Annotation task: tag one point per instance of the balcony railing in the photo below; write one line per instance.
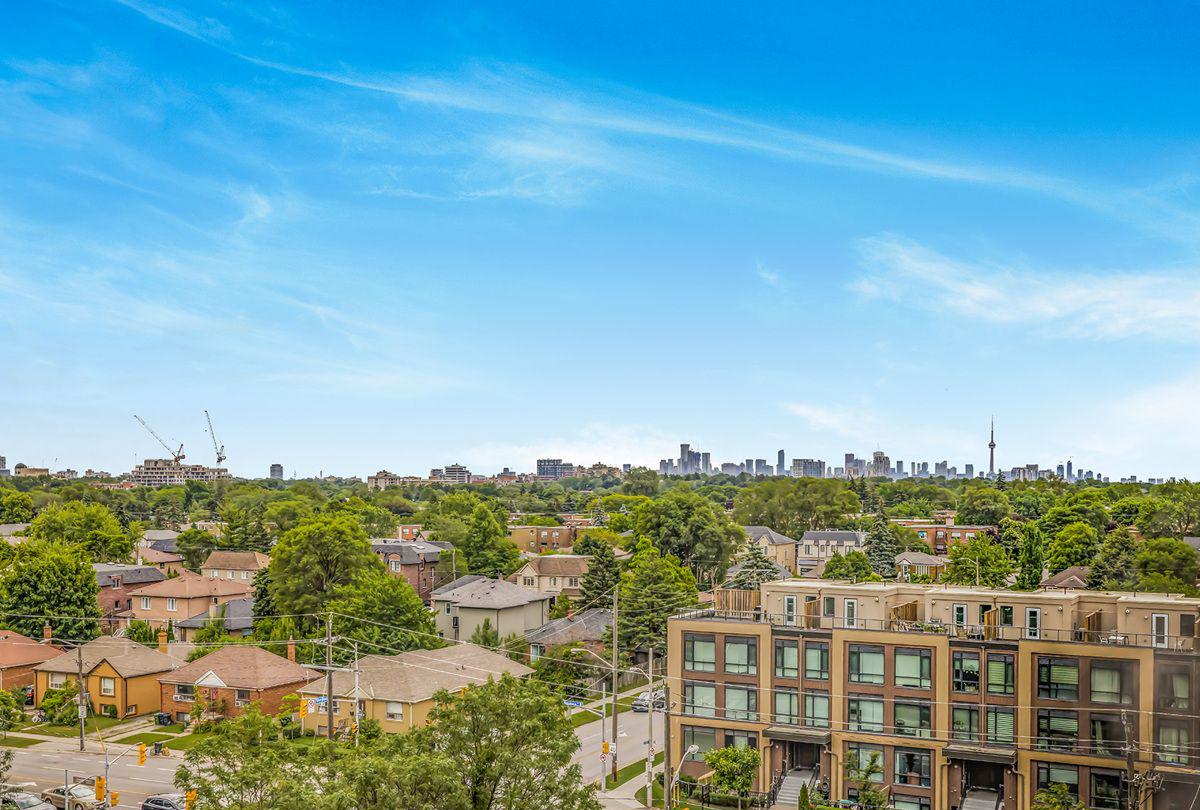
(970, 632)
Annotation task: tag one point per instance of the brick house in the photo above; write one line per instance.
(236, 566)
(182, 597)
(236, 616)
(118, 581)
(19, 655)
(232, 678)
(414, 560)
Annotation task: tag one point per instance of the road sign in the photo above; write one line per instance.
(573, 703)
(82, 712)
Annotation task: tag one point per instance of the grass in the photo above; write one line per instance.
(94, 724)
(582, 718)
(146, 737)
(630, 771)
(13, 741)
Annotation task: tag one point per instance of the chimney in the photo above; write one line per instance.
(47, 632)
(291, 651)
(212, 610)
(162, 641)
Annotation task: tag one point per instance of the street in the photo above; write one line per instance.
(632, 735)
(35, 769)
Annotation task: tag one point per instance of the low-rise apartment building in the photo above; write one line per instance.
(942, 535)
(414, 560)
(959, 691)
(537, 539)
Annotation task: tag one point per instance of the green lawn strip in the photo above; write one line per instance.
(582, 718)
(630, 771)
(94, 724)
(146, 737)
(13, 741)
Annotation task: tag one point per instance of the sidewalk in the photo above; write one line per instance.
(622, 796)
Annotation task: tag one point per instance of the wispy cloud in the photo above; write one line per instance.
(766, 275)
(1083, 304)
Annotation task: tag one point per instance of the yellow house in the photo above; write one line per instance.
(121, 675)
(398, 690)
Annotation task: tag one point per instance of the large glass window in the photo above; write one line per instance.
(913, 720)
(1173, 742)
(705, 740)
(816, 709)
(741, 703)
(1057, 730)
(1174, 688)
(816, 660)
(913, 767)
(1107, 792)
(865, 714)
(911, 803)
(999, 726)
(914, 668)
(1001, 674)
(965, 672)
(1108, 735)
(1111, 682)
(787, 707)
(1058, 678)
(866, 664)
(964, 723)
(699, 653)
(1049, 773)
(787, 658)
(741, 739)
(741, 656)
(862, 755)
(700, 699)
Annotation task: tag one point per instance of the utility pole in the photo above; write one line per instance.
(357, 717)
(1139, 786)
(650, 741)
(329, 677)
(83, 697)
(613, 746)
(603, 728)
(666, 745)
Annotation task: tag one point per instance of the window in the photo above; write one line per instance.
(787, 707)
(185, 692)
(699, 653)
(1173, 742)
(1057, 730)
(913, 767)
(964, 723)
(1160, 629)
(913, 720)
(394, 710)
(965, 672)
(1108, 735)
(741, 739)
(741, 656)
(862, 755)
(245, 575)
(1058, 678)
(57, 680)
(999, 726)
(229, 574)
(1049, 773)
(241, 697)
(394, 567)
(1111, 683)
(1001, 674)
(960, 615)
(789, 610)
(1033, 623)
(741, 703)
(108, 687)
(910, 803)
(865, 714)
(536, 651)
(787, 658)
(145, 603)
(528, 581)
(700, 699)
(816, 660)
(1006, 615)
(828, 606)
(913, 668)
(573, 582)
(866, 664)
(705, 740)
(816, 709)
(213, 574)
(131, 710)
(851, 613)
(1174, 689)
(1107, 793)
(171, 603)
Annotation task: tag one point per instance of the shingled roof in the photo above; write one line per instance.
(189, 586)
(774, 538)
(559, 565)
(237, 560)
(488, 594)
(241, 667)
(128, 658)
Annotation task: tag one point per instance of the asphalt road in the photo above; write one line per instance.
(632, 734)
(37, 769)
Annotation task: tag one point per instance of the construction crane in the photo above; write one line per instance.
(220, 449)
(177, 455)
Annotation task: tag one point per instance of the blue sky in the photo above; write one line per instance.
(402, 235)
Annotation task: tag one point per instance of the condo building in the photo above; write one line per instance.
(966, 697)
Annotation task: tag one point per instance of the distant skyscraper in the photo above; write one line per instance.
(992, 451)
(941, 468)
(899, 468)
(685, 453)
(761, 467)
(1062, 472)
(276, 472)
(554, 468)
(970, 471)
(1070, 470)
(706, 463)
(749, 466)
(780, 465)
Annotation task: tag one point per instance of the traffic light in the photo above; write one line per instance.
(189, 800)
(141, 753)
(101, 788)
(114, 799)
(604, 747)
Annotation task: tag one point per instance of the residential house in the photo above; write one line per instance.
(1073, 577)
(19, 655)
(918, 563)
(183, 596)
(398, 690)
(236, 616)
(779, 548)
(414, 560)
(169, 562)
(410, 531)
(121, 675)
(585, 628)
(238, 566)
(230, 679)
(153, 536)
(462, 606)
(553, 574)
(118, 581)
(821, 544)
(940, 535)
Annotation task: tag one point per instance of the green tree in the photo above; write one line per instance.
(15, 507)
(376, 521)
(245, 529)
(1056, 797)
(793, 506)
(640, 481)
(1125, 511)
(754, 568)
(1075, 544)
(866, 774)
(882, 546)
(562, 606)
(487, 549)
(1169, 557)
(485, 635)
(87, 525)
(983, 506)
(733, 769)
(264, 605)
(853, 565)
(61, 705)
(382, 612)
(284, 515)
(194, 546)
(523, 762)
(142, 632)
(601, 577)
(51, 579)
(653, 588)
(311, 561)
(1030, 563)
(692, 528)
(11, 711)
(1012, 534)
(1115, 568)
(395, 770)
(980, 561)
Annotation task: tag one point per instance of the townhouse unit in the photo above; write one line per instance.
(961, 693)
(779, 548)
(553, 574)
(182, 597)
(230, 679)
(236, 566)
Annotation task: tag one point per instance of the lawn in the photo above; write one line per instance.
(94, 724)
(13, 741)
(630, 771)
(146, 737)
(582, 718)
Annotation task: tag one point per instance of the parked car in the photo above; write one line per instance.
(643, 701)
(77, 797)
(164, 801)
(20, 800)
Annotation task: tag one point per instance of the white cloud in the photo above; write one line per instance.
(767, 275)
(842, 422)
(1080, 304)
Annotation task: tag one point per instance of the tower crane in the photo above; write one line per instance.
(220, 449)
(177, 455)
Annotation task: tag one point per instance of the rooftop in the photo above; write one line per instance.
(237, 560)
(108, 574)
(474, 591)
(190, 586)
(586, 626)
(411, 552)
(240, 667)
(558, 565)
(17, 650)
(128, 658)
(774, 538)
(237, 614)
